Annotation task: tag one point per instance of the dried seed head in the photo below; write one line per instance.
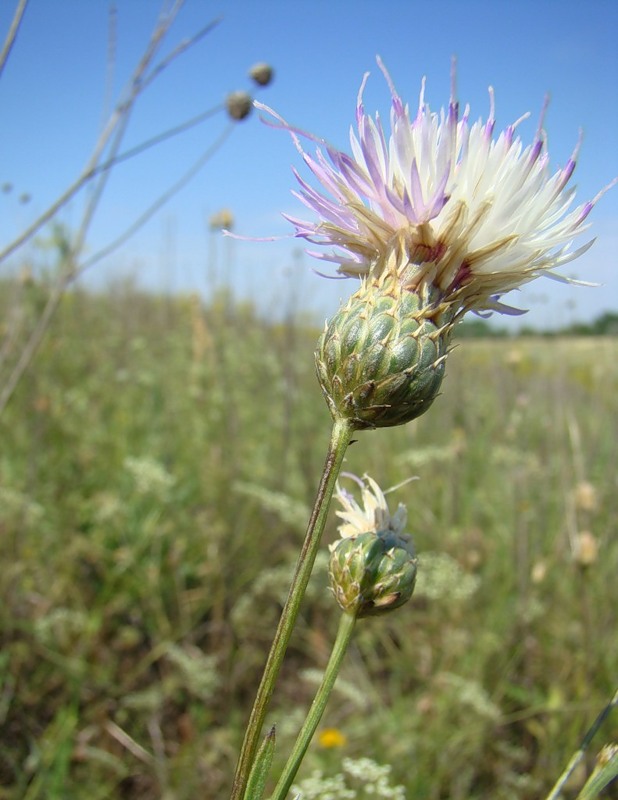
(262, 73)
(239, 105)
(586, 498)
(586, 549)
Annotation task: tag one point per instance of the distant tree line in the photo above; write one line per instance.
(604, 325)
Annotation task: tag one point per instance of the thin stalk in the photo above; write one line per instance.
(344, 634)
(579, 755)
(339, 441)
(139, 80)
(158, 203)
(11, 35)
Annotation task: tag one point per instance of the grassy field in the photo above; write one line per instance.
(157, 466)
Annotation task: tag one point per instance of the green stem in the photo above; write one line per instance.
(579, 755)
(344, 634)
(340, 439)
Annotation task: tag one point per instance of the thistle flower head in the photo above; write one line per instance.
(442, 202)
(372, 568)
(374, 514)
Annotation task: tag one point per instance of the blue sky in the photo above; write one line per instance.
(52, 98)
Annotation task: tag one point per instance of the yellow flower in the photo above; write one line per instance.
(331, 737)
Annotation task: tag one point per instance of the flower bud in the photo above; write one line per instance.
(239, 105)
(372, 573)
(261, 73)
(381, 358)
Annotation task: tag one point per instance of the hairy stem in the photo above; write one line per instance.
(340, 439)
(344, 634)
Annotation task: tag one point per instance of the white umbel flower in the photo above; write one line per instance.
(442, 203)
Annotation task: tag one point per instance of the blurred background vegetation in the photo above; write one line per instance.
(158, 462)
(160, 454)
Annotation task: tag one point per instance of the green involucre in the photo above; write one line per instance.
(372, 573)
(381, 358)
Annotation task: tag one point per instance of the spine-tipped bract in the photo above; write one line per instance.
(381, 358)
(372, 573)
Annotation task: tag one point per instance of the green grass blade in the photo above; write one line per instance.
(259, 772)
(605, 772)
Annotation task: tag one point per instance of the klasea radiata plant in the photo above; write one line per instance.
(441, 216)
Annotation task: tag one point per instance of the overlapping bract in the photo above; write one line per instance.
(372, 568)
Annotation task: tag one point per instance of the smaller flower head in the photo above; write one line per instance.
(372, 568)
(374, 515)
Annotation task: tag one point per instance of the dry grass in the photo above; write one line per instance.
(154, 470)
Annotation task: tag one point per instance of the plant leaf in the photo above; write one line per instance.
(605, 771)
(261, 767)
